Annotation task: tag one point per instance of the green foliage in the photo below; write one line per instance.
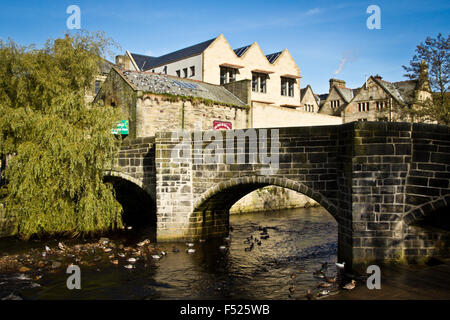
(431, 66)
(61, 144)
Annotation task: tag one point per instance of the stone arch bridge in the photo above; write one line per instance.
(376, 179)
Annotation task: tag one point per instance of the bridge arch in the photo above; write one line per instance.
(418, 214)
(211, 209)
(138, 182)
(251, 183)
(138, 203)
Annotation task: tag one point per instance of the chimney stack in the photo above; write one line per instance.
(337, 83)
(123, 62)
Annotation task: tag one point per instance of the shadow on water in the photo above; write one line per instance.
(300, 240)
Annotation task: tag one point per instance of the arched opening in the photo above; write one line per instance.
(433, 213)
(437, 218)
(272, 198)
(213, 206)
(297, 243)
(428, 230)
(139, 209)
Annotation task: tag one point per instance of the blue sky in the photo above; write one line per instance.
(319, 34)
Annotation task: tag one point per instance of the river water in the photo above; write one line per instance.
(300, 240)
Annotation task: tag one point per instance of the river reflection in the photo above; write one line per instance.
(299, 239)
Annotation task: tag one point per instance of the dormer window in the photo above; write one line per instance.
(227, 75)
(259, 82)
(287, 87)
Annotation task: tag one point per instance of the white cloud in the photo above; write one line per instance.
(311, 12)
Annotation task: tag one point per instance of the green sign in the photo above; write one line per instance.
(122, 127)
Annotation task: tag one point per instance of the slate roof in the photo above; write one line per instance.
(240, 51)
(320, 98)
(407, 89)
(158, 83)
(146, 62)
(346, 93)
(402, 91)
(303, 92)
(273, 56)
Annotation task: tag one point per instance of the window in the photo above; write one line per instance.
(262, 83)
(98, 83)
(192, 71)
(227, 75)
(291, 88)
(335, 104)
(380, 105)
(363, 106)
(283, 87)
(153, 70)
(178, 73)
(309, 108)
(185, 73)
(254, 83)
(287, 87)
(232, 75)
(259, 82)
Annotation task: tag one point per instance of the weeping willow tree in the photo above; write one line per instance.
(60, 144)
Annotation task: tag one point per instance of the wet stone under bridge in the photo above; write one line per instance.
(378, 180)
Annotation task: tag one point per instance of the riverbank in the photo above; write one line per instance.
(272, 198)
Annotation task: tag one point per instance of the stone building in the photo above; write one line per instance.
(275, 78)
(379, 100)
(156, 102)
(338, 97)
(153, 102)
(308, 100)
(376, 99)
(103, 71)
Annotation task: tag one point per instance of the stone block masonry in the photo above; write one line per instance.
(379, 180)
(373, 177)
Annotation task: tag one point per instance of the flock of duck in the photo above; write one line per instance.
(323, 288)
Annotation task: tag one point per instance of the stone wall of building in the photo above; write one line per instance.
(156, 113)
(309, 102)
(241, 89)
(117, 92)
(327, 108)
(266, 116)
(370, 94)
(253, 60)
